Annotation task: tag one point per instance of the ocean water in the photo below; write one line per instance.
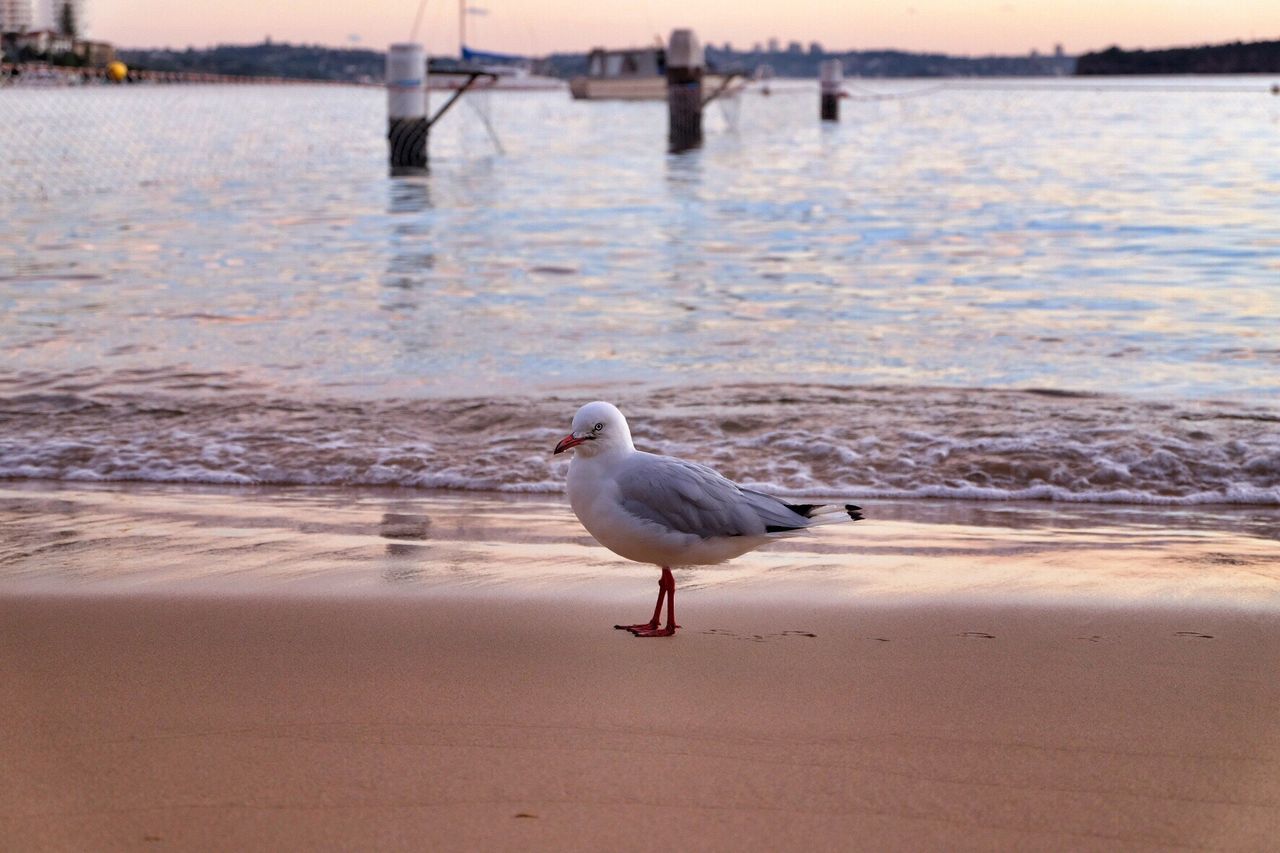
(997, 290)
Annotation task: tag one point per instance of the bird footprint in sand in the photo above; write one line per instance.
(758, 638)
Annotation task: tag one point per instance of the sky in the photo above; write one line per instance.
(537, 27)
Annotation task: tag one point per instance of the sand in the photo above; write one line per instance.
(281, 670)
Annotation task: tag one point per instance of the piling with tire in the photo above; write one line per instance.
(685, 67)
(407, 108)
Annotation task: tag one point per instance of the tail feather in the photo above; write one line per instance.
(819, 514)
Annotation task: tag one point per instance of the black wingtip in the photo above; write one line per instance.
(806, 511)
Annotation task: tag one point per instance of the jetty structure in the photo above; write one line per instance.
(686, 72)
(830, 89)
(408, 125)
(684, 91)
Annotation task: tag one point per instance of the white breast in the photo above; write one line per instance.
(593, 495)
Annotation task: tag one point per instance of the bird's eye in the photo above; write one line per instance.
(599, 427)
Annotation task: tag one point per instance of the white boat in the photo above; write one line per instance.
(501, 71)
(635, 74)
(503, 77)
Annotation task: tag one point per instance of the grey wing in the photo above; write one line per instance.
(694, 499)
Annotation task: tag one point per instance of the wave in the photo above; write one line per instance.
(800, 441)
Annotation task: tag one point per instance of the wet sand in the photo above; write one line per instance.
(219, 669)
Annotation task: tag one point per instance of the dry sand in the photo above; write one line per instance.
(280, 670)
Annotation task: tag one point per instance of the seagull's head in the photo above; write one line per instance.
(597, 427)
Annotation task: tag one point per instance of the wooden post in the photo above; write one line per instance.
(407, 108)
(830, 84)
(685, 65)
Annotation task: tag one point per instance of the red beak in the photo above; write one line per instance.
(565, 443)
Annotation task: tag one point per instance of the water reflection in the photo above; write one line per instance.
(397, 525)
(409, 195)
(684, 173)
(142, 538)
(404, 564)
(411, 257)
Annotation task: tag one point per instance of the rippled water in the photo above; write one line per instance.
(226, 254)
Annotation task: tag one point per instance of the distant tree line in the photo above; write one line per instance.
(1259, 57)
(67, 59)
(269, 59)
(313, 62)
(857, 63)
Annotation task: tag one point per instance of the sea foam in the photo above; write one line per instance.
(816, 440)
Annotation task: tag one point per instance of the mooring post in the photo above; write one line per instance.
(407, 108)
(685, 64)
(830, 84)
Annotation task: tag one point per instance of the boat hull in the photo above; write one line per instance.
(636, 88)
(443, 80)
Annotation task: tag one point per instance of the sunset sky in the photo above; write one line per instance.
(542, 26)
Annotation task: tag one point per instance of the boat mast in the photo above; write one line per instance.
(462, 28)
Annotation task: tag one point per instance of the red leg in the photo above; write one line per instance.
(652, 624)
(667, 589)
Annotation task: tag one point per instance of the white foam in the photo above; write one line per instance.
(863, 443)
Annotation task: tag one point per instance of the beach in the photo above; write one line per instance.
(286, 560)
(211, 669)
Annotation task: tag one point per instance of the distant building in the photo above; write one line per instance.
(815, 49)
(15, 16)
(1057, 50)
(794, 48)
(773, 45)
(45, 41)
(77, 13)
(95, 53)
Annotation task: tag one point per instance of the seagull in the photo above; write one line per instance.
(669, 512)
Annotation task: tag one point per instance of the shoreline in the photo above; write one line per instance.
(129, 538)
(338, 669)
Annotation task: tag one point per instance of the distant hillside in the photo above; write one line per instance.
(269, 59)
(1259, 57)
(860, 63)
(313, 62)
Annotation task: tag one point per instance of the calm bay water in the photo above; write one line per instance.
(223, 283)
